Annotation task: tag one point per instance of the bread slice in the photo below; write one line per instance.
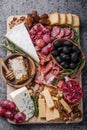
(62, 19)
(76, 21)
(69, 18)
(54, 18)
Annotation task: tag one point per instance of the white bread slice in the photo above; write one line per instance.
(54, 18)
(69, 18)
(76, 21)
(62, 19)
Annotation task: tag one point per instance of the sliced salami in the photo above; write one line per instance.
(72, 35)
(67, 31)
(61, 34)
(55, 31)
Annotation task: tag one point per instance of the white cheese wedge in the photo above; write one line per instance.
(20, 37)
(48, 98)
(42, 108)
(23, 101)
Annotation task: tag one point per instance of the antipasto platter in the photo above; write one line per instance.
(45, 61)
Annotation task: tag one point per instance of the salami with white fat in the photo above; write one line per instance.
(55, 31)
(61, 34)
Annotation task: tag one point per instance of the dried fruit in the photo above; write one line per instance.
(72, 91)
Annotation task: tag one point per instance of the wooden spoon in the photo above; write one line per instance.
(9, 74)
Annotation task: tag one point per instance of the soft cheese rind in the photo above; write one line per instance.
(20, 37)
(23, 101)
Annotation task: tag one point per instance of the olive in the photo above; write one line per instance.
(74, 56)
(66, 49)
(60, 49)
(76, 49)
(57, 44)
(64, 64)
(72, 65)
(58, 59)
(64, 56)
(67, 43)
(54, 53)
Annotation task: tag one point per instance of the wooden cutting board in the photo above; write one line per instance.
(38, 120)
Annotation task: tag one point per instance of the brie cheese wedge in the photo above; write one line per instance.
(20, 37)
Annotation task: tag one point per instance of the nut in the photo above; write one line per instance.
(44, 21)
(44, 16)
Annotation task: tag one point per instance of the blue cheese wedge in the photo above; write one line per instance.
(23, 101)
(20, 37)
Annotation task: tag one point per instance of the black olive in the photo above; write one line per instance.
(64, 64)
(66, 49)
(54, 53)
(64, 56)
(76, 49)
(72, 65)
(74, 56)
(60, 49)
(67, 43)
(57, 44)
(58, 59)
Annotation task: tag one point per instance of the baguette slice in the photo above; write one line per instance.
(54, 18)
(62, 19)
(69, 18)
(76, 21)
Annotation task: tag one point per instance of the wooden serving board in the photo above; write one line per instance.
(38, 120)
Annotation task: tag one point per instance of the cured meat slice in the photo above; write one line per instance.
(44, 59)
(72, 35)
(67, 31)
(48, 67)
(55, 31)
(61, 34)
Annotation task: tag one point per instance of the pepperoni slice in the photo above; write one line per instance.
(55, 31)
(61, 34)
(67, 31)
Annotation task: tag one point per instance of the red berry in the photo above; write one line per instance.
(19, 117)
(9, 115)
(2, 111)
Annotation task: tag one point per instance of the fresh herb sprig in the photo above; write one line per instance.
(35, 100)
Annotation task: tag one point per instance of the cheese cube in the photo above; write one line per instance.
(23, 101)
(42, 108)
(48, 98)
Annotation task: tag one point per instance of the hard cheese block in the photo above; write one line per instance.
(23, 101)
(20, 37)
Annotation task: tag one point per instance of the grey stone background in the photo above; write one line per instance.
(12, 7)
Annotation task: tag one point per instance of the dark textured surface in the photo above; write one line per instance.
(12, 7)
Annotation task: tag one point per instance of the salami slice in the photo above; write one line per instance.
(67, 31)
(72, 35)
(55, 31)
(61, 34)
